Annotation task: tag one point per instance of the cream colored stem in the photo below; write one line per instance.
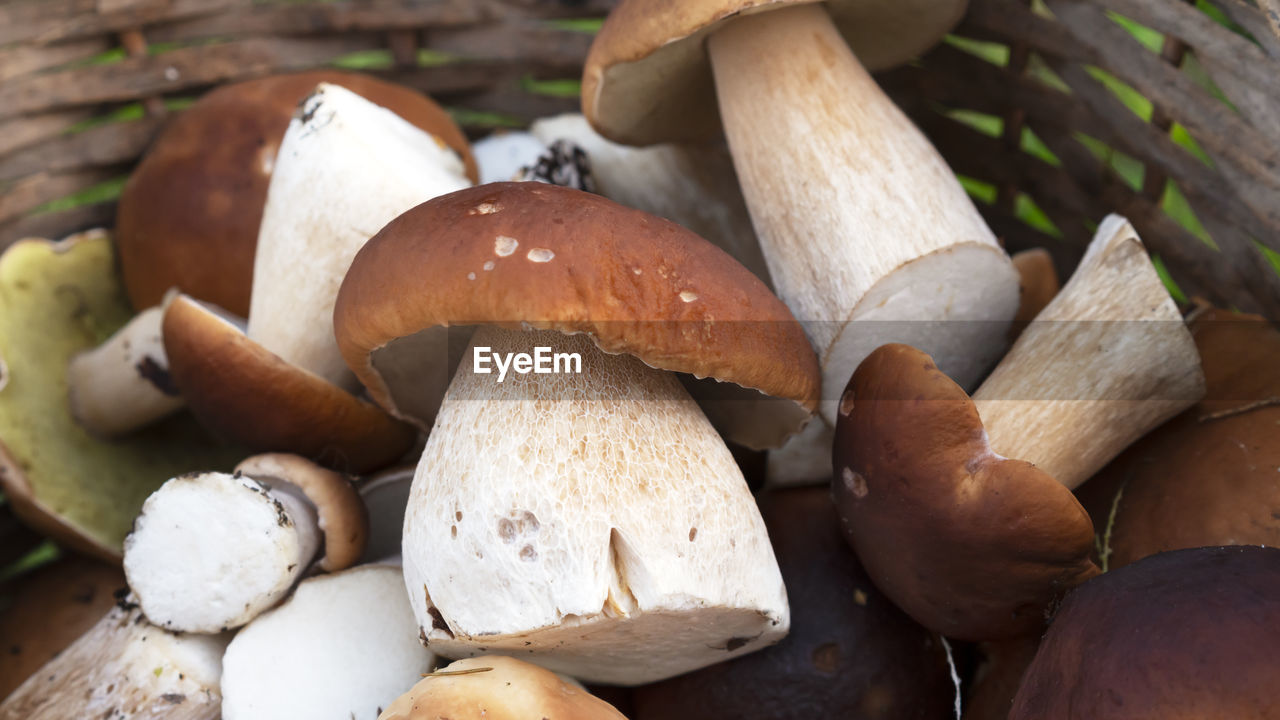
(123, 384)
(599, 515)
(858, 216)
(1107, 361)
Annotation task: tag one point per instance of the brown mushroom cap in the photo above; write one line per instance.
(1191, 634)
(648, 78)
(50, 609)
(189, 214)
(497, 688)
(1038, 283)
(850, 653)
(240, 390)
(340, 512)
(970, 544)
(1210, 476)
(530, 254)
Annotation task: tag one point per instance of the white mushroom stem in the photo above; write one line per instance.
(804, 460)
(502, 155)
(868, 235)
(692, 185)
(346, 167)
(1104, 363)
(210, 551)
(343, 646)
(593, 523)
(125, 669)
(123, 384)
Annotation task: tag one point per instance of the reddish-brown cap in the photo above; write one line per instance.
(1210, 476)
(850, 653)
(242, 391)
(1185, 635)
(340, 512)
(189, 215)
(971, 544)
(648, 78)
(1037, 284)
(530, 254)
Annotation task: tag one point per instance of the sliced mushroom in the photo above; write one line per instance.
(125, 667)
(1189, 633)
(497, 688)
(868, 236)
(598, 512)
(344, 645)
(345, 167)
(961, 510)
(212, 551)
(56, 300)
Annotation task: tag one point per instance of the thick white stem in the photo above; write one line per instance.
(868, 235)
(125, 668)
(599, 515)
(211, 551)
(346, 167)
(1104, 363)
(123, 384)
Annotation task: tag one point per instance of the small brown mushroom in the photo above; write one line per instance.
(497, 688)
(962, 511)
(1184, 634)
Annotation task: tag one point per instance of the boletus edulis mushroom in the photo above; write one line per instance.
(868, 236)
(56, 300)
(1210, 476)
(188, 218)
(594, 508)
(1183, 635)
(850, 653)
(345, 168)
(961, 510)
(211, 551)
(497, 688)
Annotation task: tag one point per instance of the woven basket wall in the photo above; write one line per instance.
(85, 84)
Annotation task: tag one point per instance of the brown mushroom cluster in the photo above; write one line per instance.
(719, 400)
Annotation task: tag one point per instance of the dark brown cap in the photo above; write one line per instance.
(648, 79)
(244, 392)
(850, 653)
(1180, 635)
(535, 255)
(971, 544)
(1210, 476)
(189, 215)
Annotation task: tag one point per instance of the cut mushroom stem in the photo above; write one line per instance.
(343, 646)
(1107, 361)
(345, 168)
(211, 551)
(123, 384)
(556, 497)
(868, 236)
(125, 667)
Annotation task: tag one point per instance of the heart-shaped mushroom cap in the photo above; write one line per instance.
(971, 544)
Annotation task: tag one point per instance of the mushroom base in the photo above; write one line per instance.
(592, 522)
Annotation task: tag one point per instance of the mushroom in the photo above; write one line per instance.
(1037, 286)
(850, 652)
(497, 688)
(125, 667)
(1211, 476)
(385, 496)
(344, 169)
(1184, 634)
(596, 510)
(188, 218)
(961, 511)
(868, 236)
(503, 155)
(47, 610)
(57, 299)
(343, 645)
(212, 551)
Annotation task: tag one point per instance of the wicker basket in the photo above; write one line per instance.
(1041, 132)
